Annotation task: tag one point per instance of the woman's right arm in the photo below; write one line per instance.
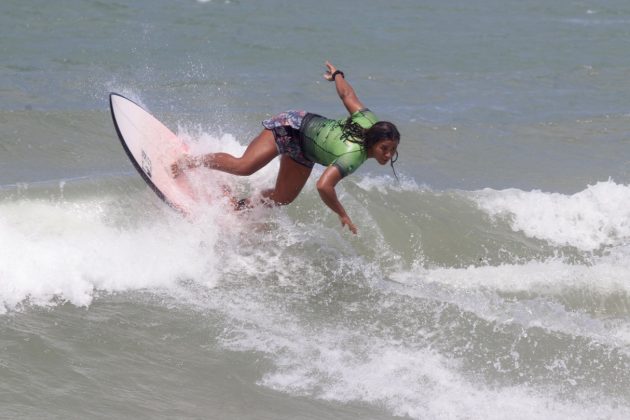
(326, 188)
(344, 90)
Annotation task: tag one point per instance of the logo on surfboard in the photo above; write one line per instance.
(146, 164)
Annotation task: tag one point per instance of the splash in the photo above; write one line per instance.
(596, 217)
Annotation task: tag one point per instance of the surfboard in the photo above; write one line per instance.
(152, 148)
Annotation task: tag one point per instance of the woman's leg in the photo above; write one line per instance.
(259, 153)
(291, 179)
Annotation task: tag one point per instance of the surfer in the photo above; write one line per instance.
(304, 139)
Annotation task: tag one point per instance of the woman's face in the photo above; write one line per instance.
(384, 150)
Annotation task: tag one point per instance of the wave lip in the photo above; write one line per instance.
(596, 217)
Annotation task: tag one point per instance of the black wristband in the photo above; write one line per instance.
(336, 72)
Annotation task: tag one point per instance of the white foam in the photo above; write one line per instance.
(63, 250)
(343, 365)
(478, 290)
(355, 361)
(604, 275)
(67, 251)
(596, 217)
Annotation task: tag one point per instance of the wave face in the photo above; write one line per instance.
(497, 302)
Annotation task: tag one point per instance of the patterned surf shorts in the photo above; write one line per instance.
(286, 132)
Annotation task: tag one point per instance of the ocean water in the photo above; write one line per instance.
(491, 282)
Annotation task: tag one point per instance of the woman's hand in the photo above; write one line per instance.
(326, 188)
(330, 71)
(345, 221)
(344, 90)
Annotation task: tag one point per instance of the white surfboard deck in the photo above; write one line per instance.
(152, 148)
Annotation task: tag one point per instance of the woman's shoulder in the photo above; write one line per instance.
(364, 117)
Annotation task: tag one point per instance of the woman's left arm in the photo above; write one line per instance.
(344, 90)
(326, 188)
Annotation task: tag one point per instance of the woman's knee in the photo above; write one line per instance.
(278, 199)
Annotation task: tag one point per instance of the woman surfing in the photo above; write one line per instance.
(303, 139)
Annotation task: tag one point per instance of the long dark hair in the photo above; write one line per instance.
(381, 130)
